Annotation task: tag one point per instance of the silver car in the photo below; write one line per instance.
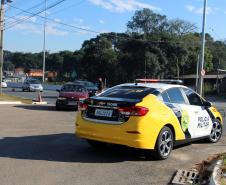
(32, 85)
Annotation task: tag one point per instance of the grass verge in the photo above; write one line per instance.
(5, 97)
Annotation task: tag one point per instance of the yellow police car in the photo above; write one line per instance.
(154, 116)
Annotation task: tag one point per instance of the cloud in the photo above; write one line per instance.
(121, 6)
(101, 21)
(32, 26)
(209, 10)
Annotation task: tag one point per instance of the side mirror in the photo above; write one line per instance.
(58, 90)
(207, 104)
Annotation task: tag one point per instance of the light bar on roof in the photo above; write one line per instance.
(168, 81)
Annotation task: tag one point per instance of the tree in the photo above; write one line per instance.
(146, 21)
(181, 27)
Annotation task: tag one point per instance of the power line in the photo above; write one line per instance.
(31, 8)
(52, 20)
(41, 24)
(68, 7)
(32, 14)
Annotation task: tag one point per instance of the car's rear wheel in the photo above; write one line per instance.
(216, 132)
(96, 144)
(164, 144)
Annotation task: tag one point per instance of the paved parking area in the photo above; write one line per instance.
(38, 147)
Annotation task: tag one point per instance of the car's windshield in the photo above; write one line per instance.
(130, 92)
(86, 83)
(73, 88)
(34, 82)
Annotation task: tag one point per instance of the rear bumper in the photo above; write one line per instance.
(136, 132)
(67, 104)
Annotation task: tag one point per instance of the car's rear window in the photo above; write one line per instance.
(73, 88)
(129, 92)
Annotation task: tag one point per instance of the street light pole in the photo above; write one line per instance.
(202, 59)
(44, 48)
(1, 42)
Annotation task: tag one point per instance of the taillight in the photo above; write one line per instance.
(82, 106)
(133, 111)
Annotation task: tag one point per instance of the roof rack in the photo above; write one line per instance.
(167, 81)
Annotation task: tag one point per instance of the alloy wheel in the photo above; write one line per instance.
(216, 131)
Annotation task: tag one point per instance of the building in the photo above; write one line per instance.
(215, 80)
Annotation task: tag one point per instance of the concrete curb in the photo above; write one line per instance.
(214, 180)
(39, 103)
(10, 103)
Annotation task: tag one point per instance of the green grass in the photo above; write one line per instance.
(5, 97)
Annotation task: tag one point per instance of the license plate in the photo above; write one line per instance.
(103, 113)
(74, 103)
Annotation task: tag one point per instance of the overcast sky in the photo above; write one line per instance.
(99, 16)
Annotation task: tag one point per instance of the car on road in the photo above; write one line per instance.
(70, 95)
(153, 116)
(90, 86)
(4, 84)
(32, 85)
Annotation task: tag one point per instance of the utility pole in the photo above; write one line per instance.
(201, 64)
(44, 48)
(1, 42)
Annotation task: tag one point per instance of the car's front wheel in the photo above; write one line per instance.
(216, 132)
(164, 144)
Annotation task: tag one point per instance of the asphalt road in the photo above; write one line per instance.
(38, 147)
(48, 96)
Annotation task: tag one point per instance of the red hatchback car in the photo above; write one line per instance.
(69, 96)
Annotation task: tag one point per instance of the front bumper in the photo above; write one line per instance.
(36, 88)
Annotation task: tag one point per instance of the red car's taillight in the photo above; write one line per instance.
(82, 106)
(134, 111)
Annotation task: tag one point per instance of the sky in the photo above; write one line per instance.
(25, 33)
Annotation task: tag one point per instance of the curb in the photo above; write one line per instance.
(10, 103)
(214, 180)
(39, 103)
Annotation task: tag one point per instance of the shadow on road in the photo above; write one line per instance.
(37, 107)
(43, 108)
(49, 97)
(65, 148)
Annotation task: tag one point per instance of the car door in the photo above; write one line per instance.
(202, 120)
(181, 108)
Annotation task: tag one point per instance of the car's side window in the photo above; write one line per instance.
(165, 97)
(193, 98)
(176, 96)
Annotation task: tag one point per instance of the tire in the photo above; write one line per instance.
(96, 144)
(216, 132)
(164, 144)
(58, 108)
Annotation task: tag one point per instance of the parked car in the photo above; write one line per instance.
(90, 86)
(4, 84)
(69, 96)
(152, 116)
(32, 85)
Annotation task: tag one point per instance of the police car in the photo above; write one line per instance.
(154, 116)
